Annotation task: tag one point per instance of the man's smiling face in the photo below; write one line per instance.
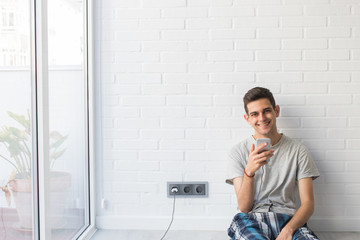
(262, 117)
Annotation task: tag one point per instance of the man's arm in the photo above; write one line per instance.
(244, 186)
(305, 211)
(244, 189)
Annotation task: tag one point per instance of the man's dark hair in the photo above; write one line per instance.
(257, 93)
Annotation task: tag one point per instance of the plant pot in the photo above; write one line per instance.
(21, 189)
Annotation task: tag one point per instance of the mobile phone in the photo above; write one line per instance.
(261, 141)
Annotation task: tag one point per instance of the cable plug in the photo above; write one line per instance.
(174, 190)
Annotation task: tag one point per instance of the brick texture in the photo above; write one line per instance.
(172, 75)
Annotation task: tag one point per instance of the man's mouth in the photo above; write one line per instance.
(264, 124)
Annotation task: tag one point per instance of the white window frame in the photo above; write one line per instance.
(40, 121)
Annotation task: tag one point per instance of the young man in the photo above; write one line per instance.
(274, 188)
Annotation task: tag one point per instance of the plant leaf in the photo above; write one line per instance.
(20, 119)
(18, 133)
(55, 135)
(58, 142)
(4, 134)
(57, 154)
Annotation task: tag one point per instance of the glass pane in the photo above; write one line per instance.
(15, 121)
(68, 194)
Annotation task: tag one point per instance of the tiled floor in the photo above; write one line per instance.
(198, 235)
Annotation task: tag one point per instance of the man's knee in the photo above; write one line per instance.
(245, 226)
(304, 233)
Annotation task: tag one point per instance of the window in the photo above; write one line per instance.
(45, 121)
(8, 19)
(9, 57)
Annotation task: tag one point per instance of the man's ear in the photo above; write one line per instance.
(277, 110)
(246, 117)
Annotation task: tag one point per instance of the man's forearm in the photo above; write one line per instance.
(244, 186)
(301, 216)
(245, 194)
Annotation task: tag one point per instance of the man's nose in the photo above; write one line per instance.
(261, 116)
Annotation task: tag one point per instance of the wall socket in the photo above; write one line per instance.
(188, 189)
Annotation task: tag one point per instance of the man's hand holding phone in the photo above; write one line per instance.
(258, 156)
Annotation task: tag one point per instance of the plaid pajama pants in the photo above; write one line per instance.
(264, 226)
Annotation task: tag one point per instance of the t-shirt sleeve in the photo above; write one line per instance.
(235, 166)
(306, 165)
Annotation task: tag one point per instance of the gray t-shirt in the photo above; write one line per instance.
(276, 183)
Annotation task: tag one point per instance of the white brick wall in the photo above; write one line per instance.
(171, 77)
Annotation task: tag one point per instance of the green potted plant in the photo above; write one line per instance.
(17, 142)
